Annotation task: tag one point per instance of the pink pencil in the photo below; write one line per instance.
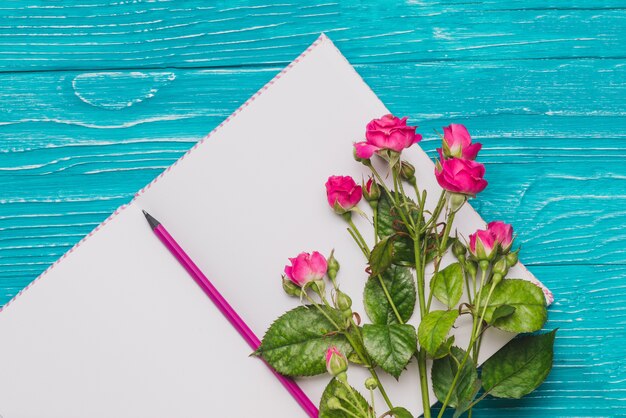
(226, 310)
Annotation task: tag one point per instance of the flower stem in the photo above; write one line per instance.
(467, 285)
(381, 389)
(359, 237)
(365, 249)
(358, 243)
(476, 326)
(421, 355)
(398, 185)
(420, 275)
(482, 315)
(375, 210)
(446, 233)
(440, 204)
(454, 381)
(417, 191)
(392, 196)
(421, 363)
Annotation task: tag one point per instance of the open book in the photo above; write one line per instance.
(116, 327)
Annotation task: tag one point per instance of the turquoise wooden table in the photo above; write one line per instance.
(99, 96)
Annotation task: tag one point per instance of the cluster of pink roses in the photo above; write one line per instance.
(484, 244)
(384, 136)
(488, 251)
(456, 171)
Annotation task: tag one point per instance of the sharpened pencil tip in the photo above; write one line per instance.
(151, 221)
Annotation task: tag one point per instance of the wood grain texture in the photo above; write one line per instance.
(38, 35)
(98, 97)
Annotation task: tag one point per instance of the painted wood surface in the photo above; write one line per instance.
(98, 97)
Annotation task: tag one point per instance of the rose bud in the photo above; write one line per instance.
(499, 270)
(511, 258)
(371, 383)
(503, 233)
(371, 191)
(306, 268)
(456, 201)
(344, 304)
(461, 176)
(333, 266)
(500, 267)
(343, 193)
(483, 245)
(459, 250)
(342, 301)
(387, 133)
(407, 171)
(291, 288)
(336, 363)
(457, 143)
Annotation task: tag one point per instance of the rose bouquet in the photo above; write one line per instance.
(323, 334)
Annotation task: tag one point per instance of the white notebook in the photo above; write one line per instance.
(116, 327)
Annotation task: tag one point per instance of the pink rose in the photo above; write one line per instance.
(386, 133)
(306, 268)
(343, 193)
(336, 362)
(483, 245)
(457, 142)
(503, 234)
(461, 176)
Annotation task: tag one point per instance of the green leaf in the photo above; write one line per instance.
(403, 250)
(339, 391)
(390, 346)
(401, 287)
(519, 367)
(381, 256)
(434, 329)
(444, 349)
(389, 219)
(466, 402)
(443, 373)
(398, 412)
(502, 311)
(296, 342)
(447, 285)
(527, 299)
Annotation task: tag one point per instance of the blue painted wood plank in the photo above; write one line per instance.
(37, 34)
